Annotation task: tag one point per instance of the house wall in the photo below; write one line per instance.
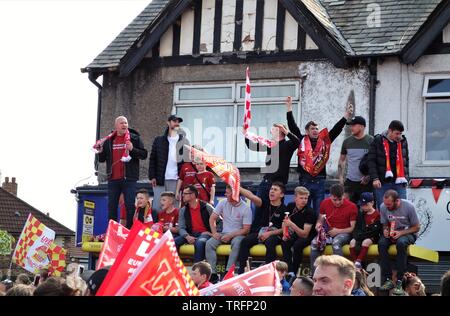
(399, 97)
(146, 97)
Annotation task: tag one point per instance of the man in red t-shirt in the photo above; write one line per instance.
(168, 216)
(335, 224)
(122, 173)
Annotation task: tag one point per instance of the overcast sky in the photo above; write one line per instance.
(48, 107)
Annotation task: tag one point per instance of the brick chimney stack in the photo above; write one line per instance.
(11, 187)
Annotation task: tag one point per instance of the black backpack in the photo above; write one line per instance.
(364, 164)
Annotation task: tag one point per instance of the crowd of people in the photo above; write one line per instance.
(368, 205)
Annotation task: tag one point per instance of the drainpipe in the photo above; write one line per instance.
(372, 63)
(93, 78)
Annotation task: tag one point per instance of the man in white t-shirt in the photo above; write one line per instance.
(165, 160)
(237, 220)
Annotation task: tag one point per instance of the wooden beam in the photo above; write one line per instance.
(217, 25)
(197, 27)
(281, 16)
(176, 37)
(259, 24)
(238, 18)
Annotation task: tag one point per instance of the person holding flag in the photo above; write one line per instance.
(121, 150)
(279, 150)
(314, 152)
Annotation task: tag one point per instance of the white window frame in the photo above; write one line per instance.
(425, 92)
(424, 139)
(262, 84)
(235, 102)
(181, 87)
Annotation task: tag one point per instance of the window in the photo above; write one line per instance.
(436, 86)
(437, 131)
(437, 124)
(213, 116)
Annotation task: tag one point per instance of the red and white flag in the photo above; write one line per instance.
(116, 236)
(126, 155)
(248, 116)
(263, 281)
(162, 273)
(140, 241)
(223, 169)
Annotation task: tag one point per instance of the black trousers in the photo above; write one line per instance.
(252, 239)
(293, 252)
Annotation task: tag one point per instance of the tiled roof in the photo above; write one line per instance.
(319, 11)
(399, 22)
(349, 22)
(14, 213)
(111, 55)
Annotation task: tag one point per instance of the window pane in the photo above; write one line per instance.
(438, 85)
(210, 127)
(263, 117)
(437, 131)
(270, 91)
(219, 93)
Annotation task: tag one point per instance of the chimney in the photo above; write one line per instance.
(11, 187)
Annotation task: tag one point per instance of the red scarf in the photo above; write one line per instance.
(313, 161)
(126, 155)
(248, 117)
(399, 167)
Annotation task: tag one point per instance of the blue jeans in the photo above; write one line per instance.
(379, 193)
(316, 188)
(115, 188)
(402, 258)
(199, 245)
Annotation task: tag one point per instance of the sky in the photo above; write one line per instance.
(48, 108)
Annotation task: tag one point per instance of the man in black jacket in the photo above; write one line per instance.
(315, 182)
(122, 176)
(166, 159)
(388, 162)
(193, 222)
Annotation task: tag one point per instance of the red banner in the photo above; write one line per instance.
(116, 236)
(138, 244)
(162, 273)
(263, 281)
(223, 169)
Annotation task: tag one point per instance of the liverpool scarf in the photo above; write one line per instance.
(314, 160)
(248, 117)
(126, 155)
(399, 167)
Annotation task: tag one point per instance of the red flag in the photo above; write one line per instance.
(162, 273)
(139, 243)
(263, 281)
(116, 235)
(230, 273)
(437, 188)
(415, 183)
(225, 170)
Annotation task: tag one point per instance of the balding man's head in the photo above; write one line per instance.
(121, 125)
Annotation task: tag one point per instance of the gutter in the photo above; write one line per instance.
(372, 63)
(93, 78)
